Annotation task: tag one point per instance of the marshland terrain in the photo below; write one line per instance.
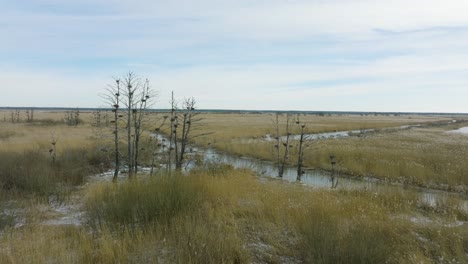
(374, 188)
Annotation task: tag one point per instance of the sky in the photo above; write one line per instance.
(315, 55)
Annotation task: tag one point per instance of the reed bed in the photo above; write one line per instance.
(424, 157)
(216, 214)
(233, 217)
(227, 127)
(427, 156)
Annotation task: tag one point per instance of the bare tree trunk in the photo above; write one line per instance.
(277, 146)
(140, 116)
(53, 149)
(334, 180)
(300, 156)
(116, 131)
(132, 88)
(286, 147)
(136, 139)
(176, 147)
(153, 162)
(189, 107)
(171, 132)
(130, 91)
(179, 142)
(281, 157)
(184, 140)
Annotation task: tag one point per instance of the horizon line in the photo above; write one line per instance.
(58, 108)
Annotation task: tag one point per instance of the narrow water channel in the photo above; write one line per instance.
(321, 178)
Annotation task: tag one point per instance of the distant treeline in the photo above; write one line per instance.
(229, 111)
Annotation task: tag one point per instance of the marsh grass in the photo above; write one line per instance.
(141, 202)
(423, 157)
(6, 220)
(67, 244)
(45, 122)
(181, 208)
(33, 171)
(26, 165)
(234, 217)
(445, 244)
(28, 137)
(427, 157)
(231, 127)
(5, 135)
(280, 222)
(328, 240)
(216, 214)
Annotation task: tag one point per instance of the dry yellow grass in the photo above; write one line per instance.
(421, 156)
(227, 127)
(241, 220)
(427, 157)
(58, 115)
(234, 217)
(25, 136)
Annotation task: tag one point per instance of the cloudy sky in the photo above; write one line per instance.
(345, 55)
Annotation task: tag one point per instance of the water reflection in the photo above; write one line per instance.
(322, 179)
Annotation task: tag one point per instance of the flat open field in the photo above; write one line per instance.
(63, 210)
(233, 126)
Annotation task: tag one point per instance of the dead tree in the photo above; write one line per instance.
(184, 123)
(131, 84)
(172, 130)
(277, 145)
(283, 144)
(67, 118)
(115, 109)
(112, 97)
(300, 152)
(139, 117)
(53, 147)
(76, 117)
(96, 118)
(304, 143)
(187, 119)
(29, 115)
(106, 119)
(15, 116)
(333, 178)
(72, 117)
(137, 98)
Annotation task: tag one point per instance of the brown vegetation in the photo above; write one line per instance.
(216, 214)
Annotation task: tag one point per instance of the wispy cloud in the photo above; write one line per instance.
(335, 55)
